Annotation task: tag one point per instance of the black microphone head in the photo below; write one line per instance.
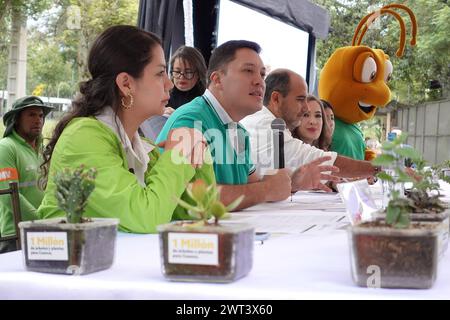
(278, 124)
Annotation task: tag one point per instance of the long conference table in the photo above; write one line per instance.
(306, 257)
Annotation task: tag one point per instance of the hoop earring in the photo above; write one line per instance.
(130, 104)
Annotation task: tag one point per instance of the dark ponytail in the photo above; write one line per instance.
(118, 49)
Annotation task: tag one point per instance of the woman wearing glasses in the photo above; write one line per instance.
(188, 74)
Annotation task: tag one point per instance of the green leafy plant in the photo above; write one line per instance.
(419, 198)
(73, 188)
(207, 202)
(424, 185)
(441, 170)
(392, 159)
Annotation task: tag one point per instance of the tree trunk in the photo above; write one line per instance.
(17, 65)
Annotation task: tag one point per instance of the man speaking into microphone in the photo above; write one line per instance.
(285, 98)
(306, 177)
(235, 90)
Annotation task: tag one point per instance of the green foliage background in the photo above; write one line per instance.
(428, 60)
(57, 52)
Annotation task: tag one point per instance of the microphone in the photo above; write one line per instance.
(278, 126)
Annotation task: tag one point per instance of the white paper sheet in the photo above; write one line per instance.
(300, 222)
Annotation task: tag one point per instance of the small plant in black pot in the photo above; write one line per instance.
(74, 244)
(203, 250)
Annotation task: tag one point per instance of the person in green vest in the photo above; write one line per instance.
(135, 183)
(20, 158)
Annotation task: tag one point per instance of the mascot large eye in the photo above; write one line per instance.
(369, 70)
(365, 67)
(388, 70)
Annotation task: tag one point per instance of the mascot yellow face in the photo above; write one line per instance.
(354, 79)
(355, 82)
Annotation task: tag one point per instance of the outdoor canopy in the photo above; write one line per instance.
(166, 18)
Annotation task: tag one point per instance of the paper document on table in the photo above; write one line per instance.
(300, 203)
(281, 222)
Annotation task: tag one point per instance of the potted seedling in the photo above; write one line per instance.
(442, 171)
(395, 252)
(422, 198)
(425, 191)
(205, 249)
(74, 244)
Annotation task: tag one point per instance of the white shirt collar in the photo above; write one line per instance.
(136, 151)
(268, 112)
(213, 102)
(232, 126)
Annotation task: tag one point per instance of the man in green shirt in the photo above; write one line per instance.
(20, 158)
(235, 89)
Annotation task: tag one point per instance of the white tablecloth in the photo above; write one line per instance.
(293, 266)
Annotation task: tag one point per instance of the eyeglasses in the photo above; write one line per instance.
(188, 75)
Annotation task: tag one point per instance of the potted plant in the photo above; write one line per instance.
(202, 250)
(422, 199)
(74, 244)
(442, 171)
(426, 202)
(393, 251)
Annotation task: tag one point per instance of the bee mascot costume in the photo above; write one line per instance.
(354, 81)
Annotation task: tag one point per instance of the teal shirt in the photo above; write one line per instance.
(229, 167)
(117, 193)
(348, 140)
(16, 155)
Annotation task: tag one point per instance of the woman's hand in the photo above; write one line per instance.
(168, 111)
(188, 142)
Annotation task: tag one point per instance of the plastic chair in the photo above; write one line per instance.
(13, 191)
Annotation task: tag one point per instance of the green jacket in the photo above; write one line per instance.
(348, 140)
(18, 158)
(117, 192)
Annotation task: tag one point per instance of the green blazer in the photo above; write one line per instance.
(117, 192)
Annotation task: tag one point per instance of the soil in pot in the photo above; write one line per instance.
(403, 258)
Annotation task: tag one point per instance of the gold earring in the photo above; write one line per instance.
(130, 104)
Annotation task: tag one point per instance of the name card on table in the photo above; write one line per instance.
(47, 246)
(358, 200)
(193, 248)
